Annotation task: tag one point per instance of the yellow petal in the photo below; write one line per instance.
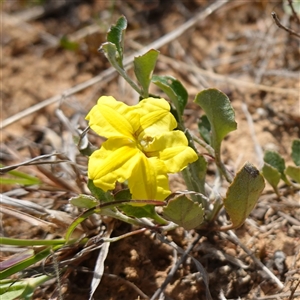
(112, 118)
(155, 116)
(113, 162)
(172, 148)
(149, 180)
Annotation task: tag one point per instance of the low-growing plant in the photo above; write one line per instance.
(274, 168)
(143, 144)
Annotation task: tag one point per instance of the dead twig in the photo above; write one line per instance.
(34, 161)
(293, 10)
(280, 25)
(294, 290)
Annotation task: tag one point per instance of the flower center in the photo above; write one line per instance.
(145, 142)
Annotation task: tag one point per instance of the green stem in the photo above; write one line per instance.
(114, 213)
(123, 73)
(209, 149)
(211, 217)
(220, 165)
(21, 242)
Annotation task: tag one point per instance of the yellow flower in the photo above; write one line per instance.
(141, 147)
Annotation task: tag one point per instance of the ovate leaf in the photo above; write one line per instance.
(184, 212)
(219, 112)
(296, 151)
(293, 172)
(174, 90)
(243, 193)
(143, 68)
(272, 175)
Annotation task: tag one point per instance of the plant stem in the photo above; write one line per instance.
(21, 242)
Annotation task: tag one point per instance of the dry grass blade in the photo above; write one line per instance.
(25, 205)
(99, 266)
(46, 226)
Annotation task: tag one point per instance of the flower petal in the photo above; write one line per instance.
(111, 118)
(149, 180)
(115, 161)
(155, 116)
(172, 148)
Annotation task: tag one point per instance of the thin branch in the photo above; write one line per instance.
(278, 23)
(293, 10)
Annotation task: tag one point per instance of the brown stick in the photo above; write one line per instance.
(290, 31)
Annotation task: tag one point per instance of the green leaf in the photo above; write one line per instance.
(143, 68)
(184, 212)
(219, 112)
(204, 129)
(116, 36)
(111, 53)
(272, 175)
(122, 195)
(296, 152)
(12, 290)
(197, 176)
(21, 289)
(243, 193)
(99, 193)
(84, 201)
(293, 172)
(145, 211)
(174, 90)
(275, 160)
(21, 178)
(20, 181)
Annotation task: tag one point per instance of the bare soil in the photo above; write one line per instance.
(237, 49)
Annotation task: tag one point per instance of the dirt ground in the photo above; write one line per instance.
(49, 48)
